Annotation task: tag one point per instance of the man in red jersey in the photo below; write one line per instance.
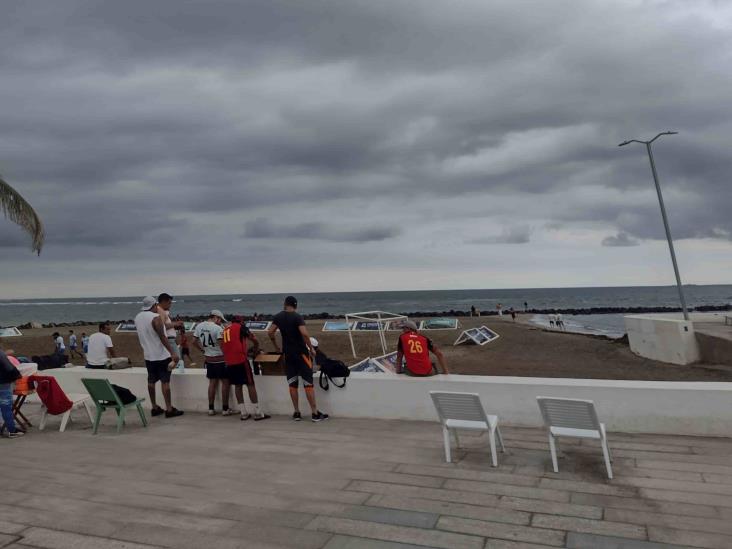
(415, 349)
(234, 347)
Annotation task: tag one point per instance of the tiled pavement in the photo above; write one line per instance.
(214, 482)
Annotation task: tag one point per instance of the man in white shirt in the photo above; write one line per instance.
(207, 336)
(73, 351)
(160, 357)
(58, 340)
(101, 350)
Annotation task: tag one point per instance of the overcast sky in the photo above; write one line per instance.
(254, 146)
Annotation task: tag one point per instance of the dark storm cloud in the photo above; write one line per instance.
(262, 228)
(619, 240)
(141, 128)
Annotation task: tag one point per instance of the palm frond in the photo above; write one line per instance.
(20, 212)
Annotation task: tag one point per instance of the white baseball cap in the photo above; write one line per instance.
(216, 312)
(148, 302)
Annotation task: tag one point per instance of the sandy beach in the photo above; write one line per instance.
(522, 350)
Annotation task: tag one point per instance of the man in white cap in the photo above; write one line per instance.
(415, 349)
(160, 357)
(207, 338)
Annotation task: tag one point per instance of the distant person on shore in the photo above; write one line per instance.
(185, 349)
(552, 320)
(560, 321)
(101, 353)
(526, 307)
(415, 349)
(477, 312)
(207, 339)
(73, 345)
(499, 308)
(84, 342)
(234, 344)
(165, 302)
(472, 310)
(513, 313)
(9, 374)
(298, 354)
(60, 347)
(160, 356)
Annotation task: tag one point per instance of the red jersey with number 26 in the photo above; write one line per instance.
(234, 344)
(416, 349)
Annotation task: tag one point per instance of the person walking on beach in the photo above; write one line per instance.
(60, 347)
(84, 342)
(472, 310)
(207, 339)
(165, 302)
(8, 376)
(415, 349)
(560, 321)
(513, 313)
(234, 341)
(499, 308)
(185, 350)
(73, 345)
(298, 353)
(160, 356)
(100, 353)
(526, 307)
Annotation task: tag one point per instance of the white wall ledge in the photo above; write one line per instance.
(665, 407)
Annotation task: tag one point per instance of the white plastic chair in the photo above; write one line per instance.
(569, 417)
(465, 411)
(78, 401)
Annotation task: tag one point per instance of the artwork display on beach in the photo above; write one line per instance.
(396, 325)
(439, 324)
(10, 332)
(477, 336)
(336, 326)
(365, 326)
(385, 364)
(258, 325)
(126, 327)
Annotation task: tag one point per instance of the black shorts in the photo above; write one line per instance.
(216, 370)
(157, 370)
(240, 374)
(299, 366)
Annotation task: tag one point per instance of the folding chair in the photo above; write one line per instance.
(569, 417)
(465, 411)
(78, 401)
(104, 397)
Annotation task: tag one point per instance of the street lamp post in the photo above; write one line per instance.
(663, 214)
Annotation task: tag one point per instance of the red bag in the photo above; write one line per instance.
(51, 394)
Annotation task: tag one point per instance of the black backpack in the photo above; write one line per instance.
(124, 394)
(329, 369)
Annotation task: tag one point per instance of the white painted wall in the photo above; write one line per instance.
(689, 408)
(662, 338)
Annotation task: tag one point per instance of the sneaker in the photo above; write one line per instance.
(174, 413)
(212, 412)
(260, 417)
(297, 416)
(319, 416)
(156, 411)
(16, 434)
(227, 412)
(245, 417)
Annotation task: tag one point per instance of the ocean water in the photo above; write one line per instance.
(15, 312)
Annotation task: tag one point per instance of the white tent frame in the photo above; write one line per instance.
(380, 317)
(465, 336)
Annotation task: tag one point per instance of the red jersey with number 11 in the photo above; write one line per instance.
(234, 344)
(416, 349)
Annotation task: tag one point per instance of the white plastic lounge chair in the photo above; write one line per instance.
(464, 411)
(569, 417)
(78, 401)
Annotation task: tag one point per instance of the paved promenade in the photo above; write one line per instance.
(212, 482)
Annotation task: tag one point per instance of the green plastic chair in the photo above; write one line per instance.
(104, 397)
